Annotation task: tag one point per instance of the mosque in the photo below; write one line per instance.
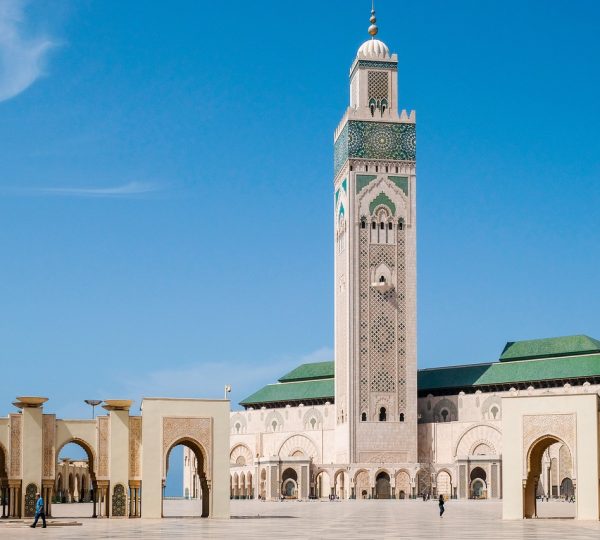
(369, 424)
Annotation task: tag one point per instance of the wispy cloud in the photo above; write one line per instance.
(129, 189)
(207, 379)
(21, 57)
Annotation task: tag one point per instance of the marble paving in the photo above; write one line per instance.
(336, 520)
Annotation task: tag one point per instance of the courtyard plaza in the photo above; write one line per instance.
(413, 519)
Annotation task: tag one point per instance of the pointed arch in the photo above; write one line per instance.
(302, 443)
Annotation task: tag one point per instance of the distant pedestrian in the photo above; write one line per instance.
(39, 511)
(441, 505)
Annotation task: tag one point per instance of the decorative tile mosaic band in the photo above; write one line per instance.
(374, 64)
(375, 140)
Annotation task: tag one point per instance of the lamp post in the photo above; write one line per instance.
(227, 390)
(93, 403)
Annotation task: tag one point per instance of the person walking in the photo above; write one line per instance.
(441, 505)
(39, 511)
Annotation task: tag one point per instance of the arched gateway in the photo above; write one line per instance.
(124, 453)
(532, 425)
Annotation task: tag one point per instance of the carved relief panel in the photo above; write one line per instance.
(135, 445)
(195, 429)
(48, 438)
(15, 449)
(562, 426)
(103, 435)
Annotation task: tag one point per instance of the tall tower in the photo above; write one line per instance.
(375, 266)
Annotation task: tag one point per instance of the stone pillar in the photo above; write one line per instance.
(14, 501)
(118, 418)
(47, 493)
(94, 500)
(138, 503)
(103, 499)
(304, 482)
(134, 502)
(31, 444)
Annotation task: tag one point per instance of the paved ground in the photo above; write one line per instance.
(348, 520)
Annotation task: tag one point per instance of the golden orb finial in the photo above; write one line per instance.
(373, 28)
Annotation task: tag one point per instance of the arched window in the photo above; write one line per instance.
(363, 417)
(382, 414)
(382, 225)
(384, 105)
(401, 417)
(444, 414)
(381, 279)
(400, 224)
(372, 106)
(373, 225)
(390, 225)
(363, 223)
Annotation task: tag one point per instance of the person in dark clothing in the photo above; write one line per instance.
(39, 511)
(441, 505)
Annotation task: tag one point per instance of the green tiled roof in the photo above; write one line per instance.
(549, 347)
(305, 372)
(292, 391)
(521, 362)
(450, 377)
(457, 377)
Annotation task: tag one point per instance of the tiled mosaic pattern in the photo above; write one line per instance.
(375, 140)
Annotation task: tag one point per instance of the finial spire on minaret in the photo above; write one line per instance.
(373, 28)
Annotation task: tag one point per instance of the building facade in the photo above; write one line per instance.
(284, 443)
(368, 424)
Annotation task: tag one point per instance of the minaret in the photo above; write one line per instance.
(375, 266)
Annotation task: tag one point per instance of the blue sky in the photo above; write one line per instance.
(166, 184)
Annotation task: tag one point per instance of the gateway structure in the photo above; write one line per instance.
(127, 456)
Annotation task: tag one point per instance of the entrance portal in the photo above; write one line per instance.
(289, 485)
(530, 491)
(197, 504)
(74, 490)
(382, 486)
(478, 483)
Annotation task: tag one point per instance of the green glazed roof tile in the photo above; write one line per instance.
(305, 372)
(292, 391)
(457, 377)
(549, 347)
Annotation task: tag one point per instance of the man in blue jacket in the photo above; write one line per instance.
(39, 511)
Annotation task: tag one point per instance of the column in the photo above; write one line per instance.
(131, 501)
(94, 497)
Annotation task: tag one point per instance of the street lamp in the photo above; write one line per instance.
(94, 403)
(227, 390)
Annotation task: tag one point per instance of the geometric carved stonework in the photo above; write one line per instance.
(119, 501)
(48, 435)
(15, 445)
(561, 426)
(30, 492)
(197, 429)
(102, 446)
(383, 457)
(135, 444)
